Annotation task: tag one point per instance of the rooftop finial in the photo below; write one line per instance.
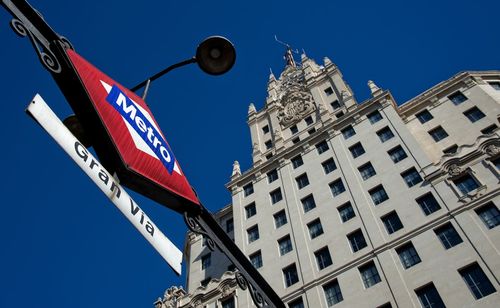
(288, 53)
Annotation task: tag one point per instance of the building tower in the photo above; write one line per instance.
(362, 205)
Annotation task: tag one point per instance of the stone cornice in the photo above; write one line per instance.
(448, 164)
(416, 103)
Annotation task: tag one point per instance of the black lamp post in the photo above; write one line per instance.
(215, 56)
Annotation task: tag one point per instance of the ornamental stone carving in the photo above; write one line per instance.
(454, 170)
(295, 101)
(492, 150)
(236, 169)
(172, 295)
(295, 105)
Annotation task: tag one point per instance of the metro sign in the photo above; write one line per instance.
(146, 162)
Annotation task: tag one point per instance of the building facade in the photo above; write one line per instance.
(362, 204)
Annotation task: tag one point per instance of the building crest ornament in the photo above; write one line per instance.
(295, 100)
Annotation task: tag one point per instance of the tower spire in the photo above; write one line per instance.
(288, 57)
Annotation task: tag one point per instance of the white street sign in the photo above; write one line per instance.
(42, 113)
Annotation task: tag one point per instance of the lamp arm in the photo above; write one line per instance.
(163, 72)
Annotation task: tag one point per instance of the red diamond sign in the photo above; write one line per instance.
(147, 165)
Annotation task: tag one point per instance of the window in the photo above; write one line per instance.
(269, 144)
(392, 222)
(228, 303)
(374, 117)
(256, 259)
(428, 204)
(490, 215)
(250, 210)
(451, 149)
(315, 228)
(397, 154)
(323, 258)
(489, 130)
(205, 281)
(339, 114)
(337, 187)
(448, 235)
(265, 129)
(357, 240)
(206, 260)
(438, 134)
(297, 161)
(411, 177)
(346, 212)
(231, 268)
(424, 116)
(496, 162)
(385, 134)
(333, 294)
(298, 303)
(280, 219)
(329, 165)
(248, 189)
(296, 140)
(369, 274)
(272, 176)
(322, 147)
(311, 131)
(308, 203)
(268, 156)
(294, 129)
(357, 150)
(495, 85)
(285, 245)
(302, 181)
(229, 225)
(408, 255)
(348, 132)
(328, 91)
(290, 274)
(429, 297)
(457, 98)
(466, 183)
(309, 120)
(253, 234)
(474, 114)
(335, 104)
(367, 171)
(378, 194)
(276, 196)
(477, 281)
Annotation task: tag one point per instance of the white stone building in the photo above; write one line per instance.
(362, 204)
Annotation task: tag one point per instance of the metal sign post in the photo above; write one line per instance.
(123, 133)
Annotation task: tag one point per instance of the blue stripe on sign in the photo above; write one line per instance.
(124, 105)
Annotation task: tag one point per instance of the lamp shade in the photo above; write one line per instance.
(215, 55)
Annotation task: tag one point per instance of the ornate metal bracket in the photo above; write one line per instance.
(193, 224)
(28, 22)
(256, 296)
(247, 276)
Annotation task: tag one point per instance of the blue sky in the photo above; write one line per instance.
(63, 243)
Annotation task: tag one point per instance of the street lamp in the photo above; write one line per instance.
(215, 56)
